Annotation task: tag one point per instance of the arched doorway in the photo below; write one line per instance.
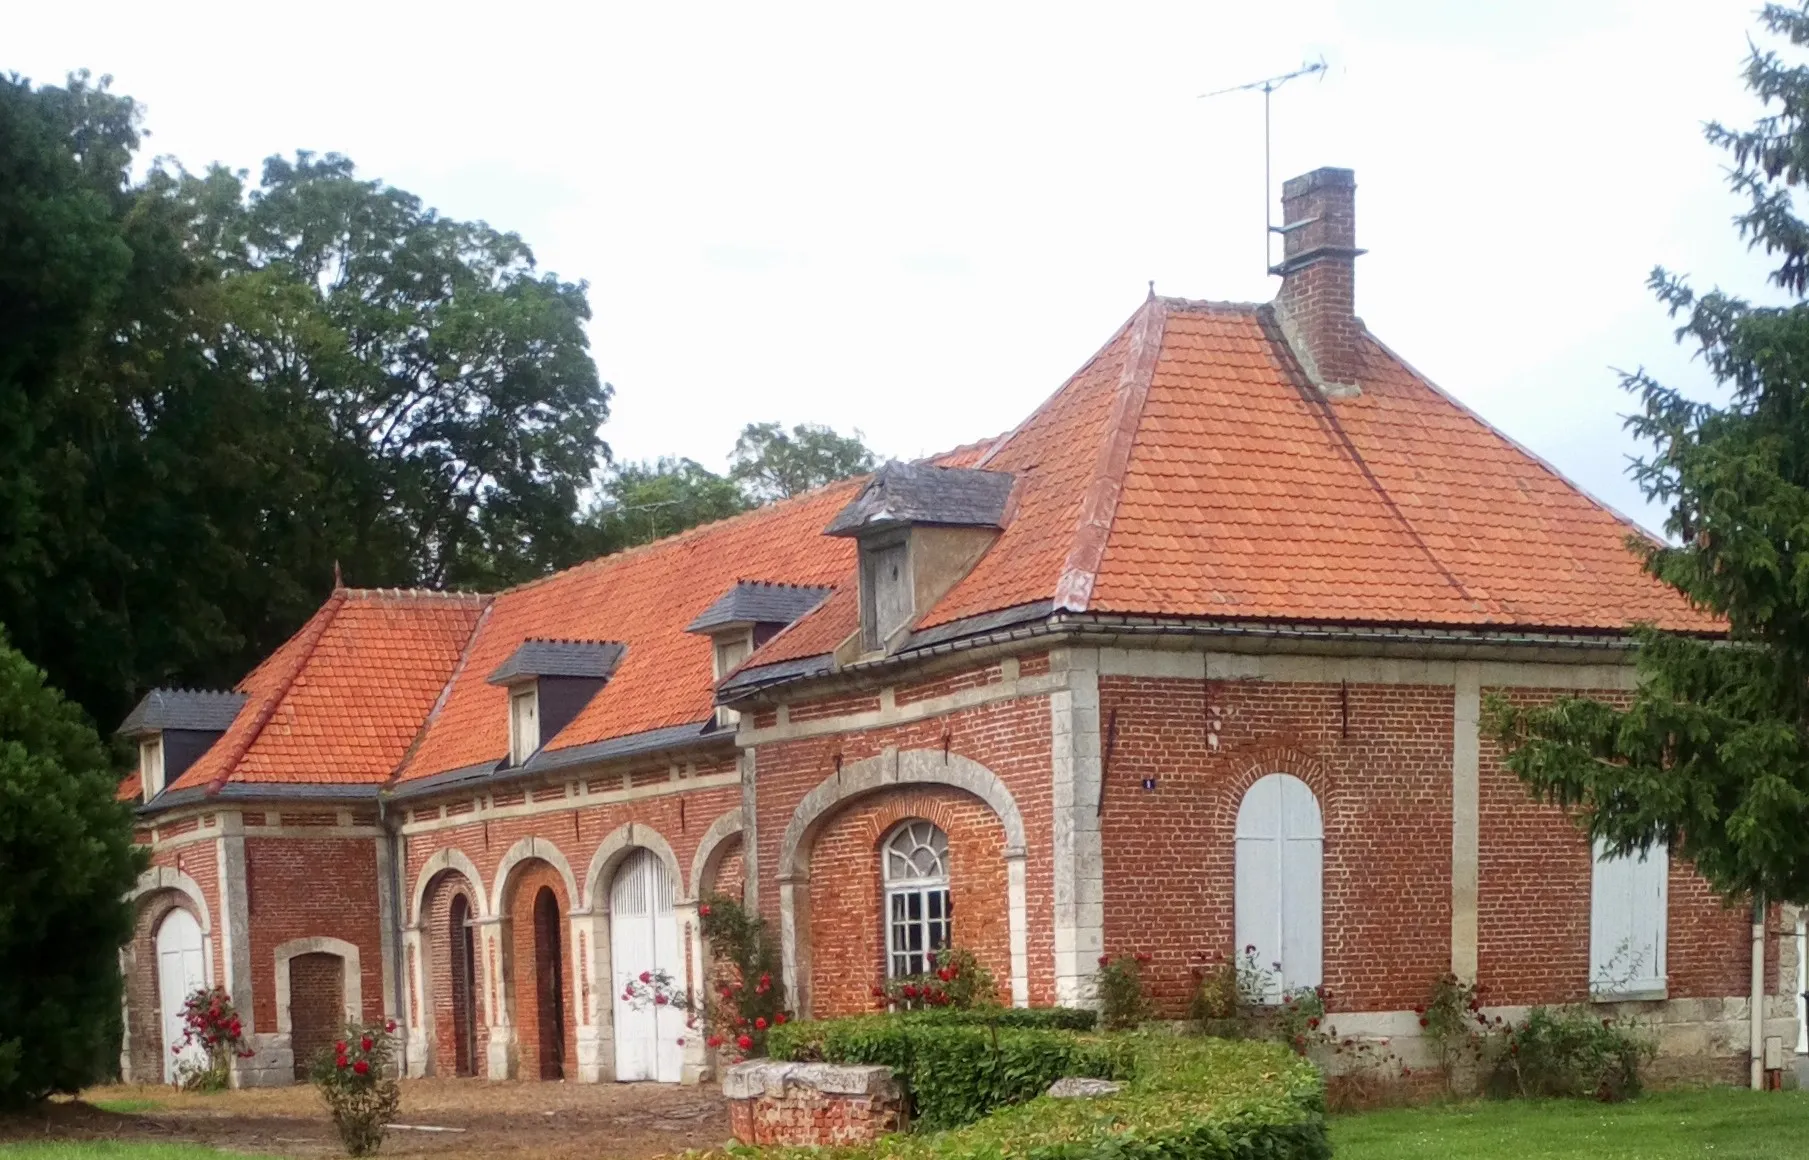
(180, 972)
(549, 984)
(462, 943)
(643, 937)
(1279, 881)
(317, 1007)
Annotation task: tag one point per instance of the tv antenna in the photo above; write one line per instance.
(1267, 86)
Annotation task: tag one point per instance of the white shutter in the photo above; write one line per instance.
(1628, 901)
(643, 936)
(180, 974)
(1279, 889)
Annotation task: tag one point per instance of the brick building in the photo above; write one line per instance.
(1191, 659)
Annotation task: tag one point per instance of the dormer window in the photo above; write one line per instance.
(746, 617)
(921, 529)
(150, 765)
(173, 727)
(549, 683)
(524, 722)
(731, 648)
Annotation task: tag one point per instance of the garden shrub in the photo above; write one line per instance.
(1124, 1000)
(747, 993)
(210, 1021)
(1186, 1099)
(1572, 1052)
(955, 1072)
(356, 1078)
(955, 980)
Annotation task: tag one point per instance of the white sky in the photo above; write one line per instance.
(918, 220)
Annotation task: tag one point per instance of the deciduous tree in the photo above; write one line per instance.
(771, 463)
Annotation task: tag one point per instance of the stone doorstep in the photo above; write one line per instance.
(766, 1077)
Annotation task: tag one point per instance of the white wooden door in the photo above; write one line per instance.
(1627, 905)
(180, 972)
(643, 937)
(1279, 895)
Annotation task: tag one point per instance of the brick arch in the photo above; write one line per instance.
(160, 890)
(842, 918)
(1257, 763)
(431, 949)
(530, 850)
(887, 770)
(533, 865)
(621, 842)
(454, 861)
(723, 836)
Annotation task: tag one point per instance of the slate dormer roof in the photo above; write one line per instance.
(924, 493)
(558, 658)
(758, 602)
(202, 710)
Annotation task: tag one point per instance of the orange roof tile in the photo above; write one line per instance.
(643, 598)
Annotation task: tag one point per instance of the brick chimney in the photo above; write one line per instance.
(1316, 306)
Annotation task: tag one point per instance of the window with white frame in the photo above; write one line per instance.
(1628, 898)
(915, 869)
(1279, 885)
(150, 765)
(524, 723)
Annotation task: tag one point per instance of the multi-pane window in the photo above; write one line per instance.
(915, 867)
(1628, 899)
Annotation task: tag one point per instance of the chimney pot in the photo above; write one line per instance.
(1317, 303)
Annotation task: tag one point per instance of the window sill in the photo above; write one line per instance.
(1651, 994)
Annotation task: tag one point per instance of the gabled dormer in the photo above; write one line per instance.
(746, 617)
(920, 530)
(173, 727)
(549, 683)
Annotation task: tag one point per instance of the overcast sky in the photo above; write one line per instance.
(918, 220)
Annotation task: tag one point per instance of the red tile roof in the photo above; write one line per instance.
(342, 700)
(1187, 470)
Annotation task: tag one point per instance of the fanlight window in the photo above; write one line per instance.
(915, 865)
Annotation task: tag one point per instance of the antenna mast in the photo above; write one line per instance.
(1268, 86)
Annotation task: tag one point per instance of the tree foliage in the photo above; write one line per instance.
(213, 391)
(66, 863)
(641, 502)
(1712, 756)
(771, 463)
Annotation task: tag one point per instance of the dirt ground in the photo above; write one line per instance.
(560, 1121)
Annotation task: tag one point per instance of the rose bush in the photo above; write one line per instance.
(210, 1021)
(356, 1078)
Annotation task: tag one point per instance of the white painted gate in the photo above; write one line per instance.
(643, 936)
(1280, 857)
(180, 972)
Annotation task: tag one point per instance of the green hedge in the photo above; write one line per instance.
(956, 1070)
(1187, 1099)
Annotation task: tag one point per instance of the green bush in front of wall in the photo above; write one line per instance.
(1184, 1098)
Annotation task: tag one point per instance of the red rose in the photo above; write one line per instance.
(1104, 959)
(766, 980)
(390, 1026)
(367, 1043)
(760, 1023)
(1425, 1022)
(704, 910)
(362, 1067)
(659, 1000)
(339, 1047)
(745, 1043)
(340, 1061)
(879, 992)
(910, 992)
(681, 1041)
(1313, 1023)
(944, 974)
(779, 1018)
(714, 1041)
(646, 976)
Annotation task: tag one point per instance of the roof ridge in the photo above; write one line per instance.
(439, 702)
(328, 612)
(1003, 440)
(1099, 506)
(676, 538)
(454, 595)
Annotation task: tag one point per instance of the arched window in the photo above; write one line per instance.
(914, 862)
(1280, 854)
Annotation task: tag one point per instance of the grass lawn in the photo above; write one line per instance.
(110, 1150)
(1664, 1126)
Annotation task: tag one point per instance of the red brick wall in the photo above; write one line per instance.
(1010, 738)
(522, 970)
(1378, 757)
(1533, 908)
(316, 1006)
(440, 942)
(308, 888)
(846, 909)
(731, 871)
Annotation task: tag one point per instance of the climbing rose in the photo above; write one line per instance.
(779, 1018)
(681, 1041)
(390, 1025)
(745, 1043)
(367, 1043)
(760, 1023)
(704, 910)
(362, 1067)
(340, 1061)
(660, 1000)
(646, 976)
(339, 1047)
(714, 1041)
(1104, 959)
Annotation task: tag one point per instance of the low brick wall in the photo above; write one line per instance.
(812, 1103)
